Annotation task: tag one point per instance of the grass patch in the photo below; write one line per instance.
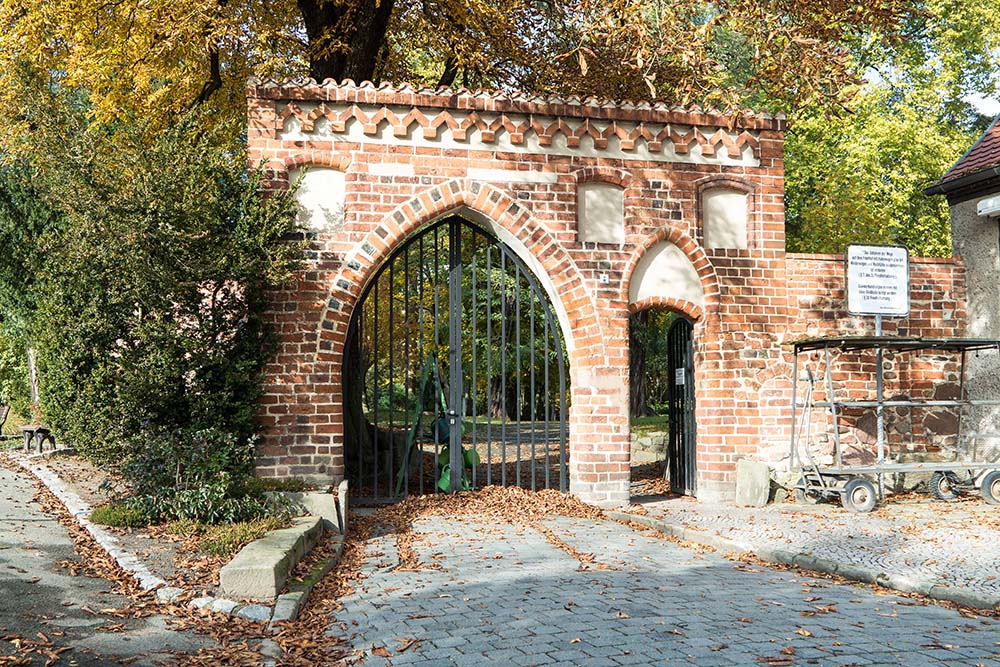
(226, 539)
(644, 425)
(120, 515)
(186, 528)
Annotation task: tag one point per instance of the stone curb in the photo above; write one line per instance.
(869, 575)
(150, 582)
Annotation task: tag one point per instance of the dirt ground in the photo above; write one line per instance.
(173, 558)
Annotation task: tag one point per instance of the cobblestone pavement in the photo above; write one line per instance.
(952, 544)
(39, 596)
(505, 595)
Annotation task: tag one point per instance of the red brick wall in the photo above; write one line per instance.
(755, 299)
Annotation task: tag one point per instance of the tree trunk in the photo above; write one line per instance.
(361, 25)
(637, 381)
(449, 73)
(496, 399)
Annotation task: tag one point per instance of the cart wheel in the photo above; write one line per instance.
(804, 497)
(990, 487)
(858, 495)
(944, 485)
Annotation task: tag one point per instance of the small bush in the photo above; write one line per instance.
(120, 514)
(226, 540)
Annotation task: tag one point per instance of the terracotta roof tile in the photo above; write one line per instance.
(984, 153)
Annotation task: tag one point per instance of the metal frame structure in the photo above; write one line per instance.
(681, 454)
(851, 483)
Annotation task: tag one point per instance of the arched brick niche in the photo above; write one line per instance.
(728, 213)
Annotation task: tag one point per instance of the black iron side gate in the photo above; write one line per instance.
(454, 371)
(681, 456)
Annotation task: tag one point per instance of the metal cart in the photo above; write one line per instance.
(859, 487)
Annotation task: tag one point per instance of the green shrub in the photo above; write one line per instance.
(120, 514)
(139, 264)
(227, 540)
(261, 485)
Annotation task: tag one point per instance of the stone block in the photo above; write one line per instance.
(753, 483)
(254, 612)
(317, 503)
(286, 607)
(260, 569)
(224, 606)
(169, 593)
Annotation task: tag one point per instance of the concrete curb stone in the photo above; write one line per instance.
(288, 605)
(868, 575)
(80, 511)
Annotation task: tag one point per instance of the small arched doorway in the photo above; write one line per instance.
(662, 402)
(454, 371)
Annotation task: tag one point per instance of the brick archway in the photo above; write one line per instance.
(595, 389)
(691, 311)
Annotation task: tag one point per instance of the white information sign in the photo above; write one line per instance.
(878, 280)
(679, 377)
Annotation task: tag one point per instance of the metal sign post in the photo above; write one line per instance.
(878, 283)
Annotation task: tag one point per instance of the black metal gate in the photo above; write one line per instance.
(455, 371)
(681, 449)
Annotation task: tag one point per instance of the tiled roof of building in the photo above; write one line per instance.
(984, 154)
(308, 89)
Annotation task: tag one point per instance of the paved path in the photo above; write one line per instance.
(506, 596)
(37, 595)
(952, 544)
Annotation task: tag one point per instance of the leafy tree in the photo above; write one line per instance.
(155, 58)
(860, 177)
(23, 219)
(150, 262)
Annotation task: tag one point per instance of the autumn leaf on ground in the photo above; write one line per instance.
(406, 643)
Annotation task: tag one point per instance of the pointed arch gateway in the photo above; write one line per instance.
(666, 277)
(455, 369)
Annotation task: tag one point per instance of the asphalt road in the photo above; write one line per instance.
(39, 596)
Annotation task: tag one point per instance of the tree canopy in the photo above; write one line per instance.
(860, 176)
(156, 57)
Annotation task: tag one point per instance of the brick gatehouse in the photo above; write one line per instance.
(615, 207)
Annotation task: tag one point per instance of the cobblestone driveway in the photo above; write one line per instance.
(505, 595)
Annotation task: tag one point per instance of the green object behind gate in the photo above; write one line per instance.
(430, 366)
(441, 431)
